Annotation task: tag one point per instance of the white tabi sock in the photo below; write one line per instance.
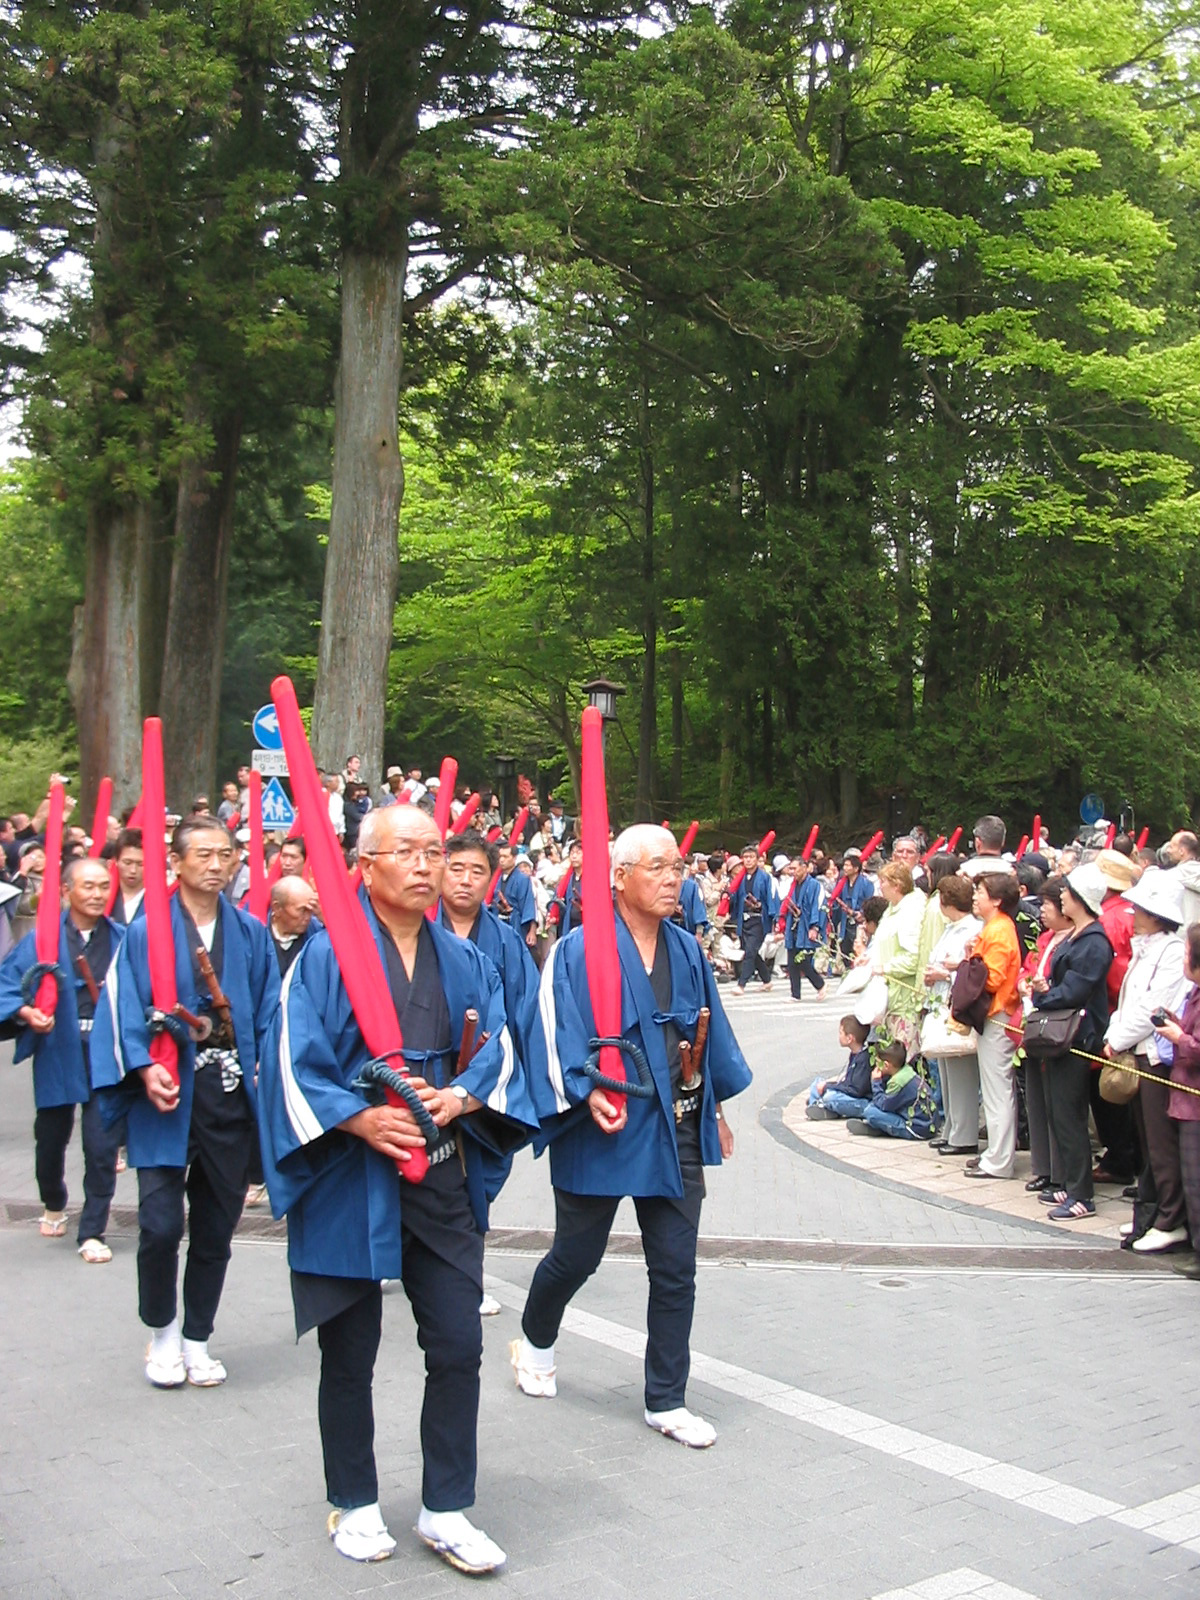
(536, 1359)
(165, 1342)
(195, 1350)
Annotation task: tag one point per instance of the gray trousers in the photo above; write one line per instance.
(999, 1089)
(960, 1096)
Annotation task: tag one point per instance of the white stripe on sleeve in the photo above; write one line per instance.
(305, 1123)
(112, 985)
(549, 1015)
(498, 1099)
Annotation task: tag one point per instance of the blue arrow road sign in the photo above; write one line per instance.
(266, 729)
(277, 810)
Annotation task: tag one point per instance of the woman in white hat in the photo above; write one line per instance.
(1154, 981)
(1076, 981)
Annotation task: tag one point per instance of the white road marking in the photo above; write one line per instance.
(964, 1583)
(1173, 1520)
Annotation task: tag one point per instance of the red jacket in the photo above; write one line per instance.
(1116, 918)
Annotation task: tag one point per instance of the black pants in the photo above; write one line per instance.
(581, 1229)
(752, 938)
(52, 1129)
(801, 962)
(220, 1142)
(1065, 1082)
(1189, 1166)
(1160, 1134)
(1118, 1135)
(445, 1304)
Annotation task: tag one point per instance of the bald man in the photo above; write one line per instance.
(331, 1149)
(655, 1149)
(293, 906)
(59, 1043)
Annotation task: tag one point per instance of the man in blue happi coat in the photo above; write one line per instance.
(804, 930)
(569, 901)
(692, 913)
(654, 1148)
(330, 1154)
(59, 1044)
(190, 1140)
(753, 906)
(514, 902)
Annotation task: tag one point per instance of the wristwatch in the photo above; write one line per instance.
(460, 1094)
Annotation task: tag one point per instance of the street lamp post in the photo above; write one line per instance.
(602, 693)
(506, 771)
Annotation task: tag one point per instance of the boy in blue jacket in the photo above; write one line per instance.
(900, 1105)
(851, 1094)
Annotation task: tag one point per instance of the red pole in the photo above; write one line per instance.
(1142, 838)
(463, 821)
(1023, 846)
(100, 821)
(49, 911)
(689, 838)
(934, 848)
(160, 940)
(952, 841)
(601, 960)
(258, 901)
(1036, 835)
(735, 883)
(349, 932)
(1110, 836)
(810, 843)
(514, 838)
(447, 778)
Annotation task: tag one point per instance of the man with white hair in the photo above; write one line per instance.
(652, 1146)
(293, 903)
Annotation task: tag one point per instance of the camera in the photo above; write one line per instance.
(1160, 1017)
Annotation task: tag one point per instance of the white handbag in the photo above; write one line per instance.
(941, 1036)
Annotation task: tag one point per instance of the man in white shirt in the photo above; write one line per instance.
(129, 876)
(990, 834)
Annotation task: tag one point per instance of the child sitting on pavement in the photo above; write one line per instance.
(900, 1105)
(851, 1094)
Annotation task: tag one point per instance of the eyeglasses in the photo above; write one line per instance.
(432, 854)
(663, 869)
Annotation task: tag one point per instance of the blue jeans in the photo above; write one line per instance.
(889, 1122)
(842, 1105)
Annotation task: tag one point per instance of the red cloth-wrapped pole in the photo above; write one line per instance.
(463, 821)
(554, 914)
(934, 848)
(735, 883)
(100, 820)
(160, 941)
(1023, 846)
(872, 842)
(49, 911)
(1110, 836)
(346, 921)
(1035, 834)
(805, 855)
(952, 841)
(514, 839)
(447, 778)
(1142, 838)
(810, 844)
(259, 899)
(689, 838)
(599, 919)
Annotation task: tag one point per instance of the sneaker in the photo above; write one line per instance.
(457, 1540)
(683, 1425)
(489, 1306)
(360, 1534)
(534, 1380)
(1155, 1239)
(1053, 1197)
(1125, 1230)
(819, 1113)
(1072, 1210)
(203, 1371)
(857, 1125)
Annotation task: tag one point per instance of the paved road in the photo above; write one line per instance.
(925, 1434)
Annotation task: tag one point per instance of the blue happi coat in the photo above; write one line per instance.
(509, 954)
(250, 980)
(342, 1199)
(851, 899)
(804, 913)
(569, 905)
(758, 883)
(692, 907)
(60, 1075)
(518, 891)
(643, 1158)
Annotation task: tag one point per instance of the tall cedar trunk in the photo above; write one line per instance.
(848, 793)
(676, 665)
(648, 717)
(195, 637)
(362, 564)
(725, 799)
(105, 675)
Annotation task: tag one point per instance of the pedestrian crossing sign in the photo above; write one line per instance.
(277, 810)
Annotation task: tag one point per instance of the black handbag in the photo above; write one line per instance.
(1051, 1033)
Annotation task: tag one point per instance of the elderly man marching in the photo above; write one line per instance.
(654, 1144)
(331, 1153)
